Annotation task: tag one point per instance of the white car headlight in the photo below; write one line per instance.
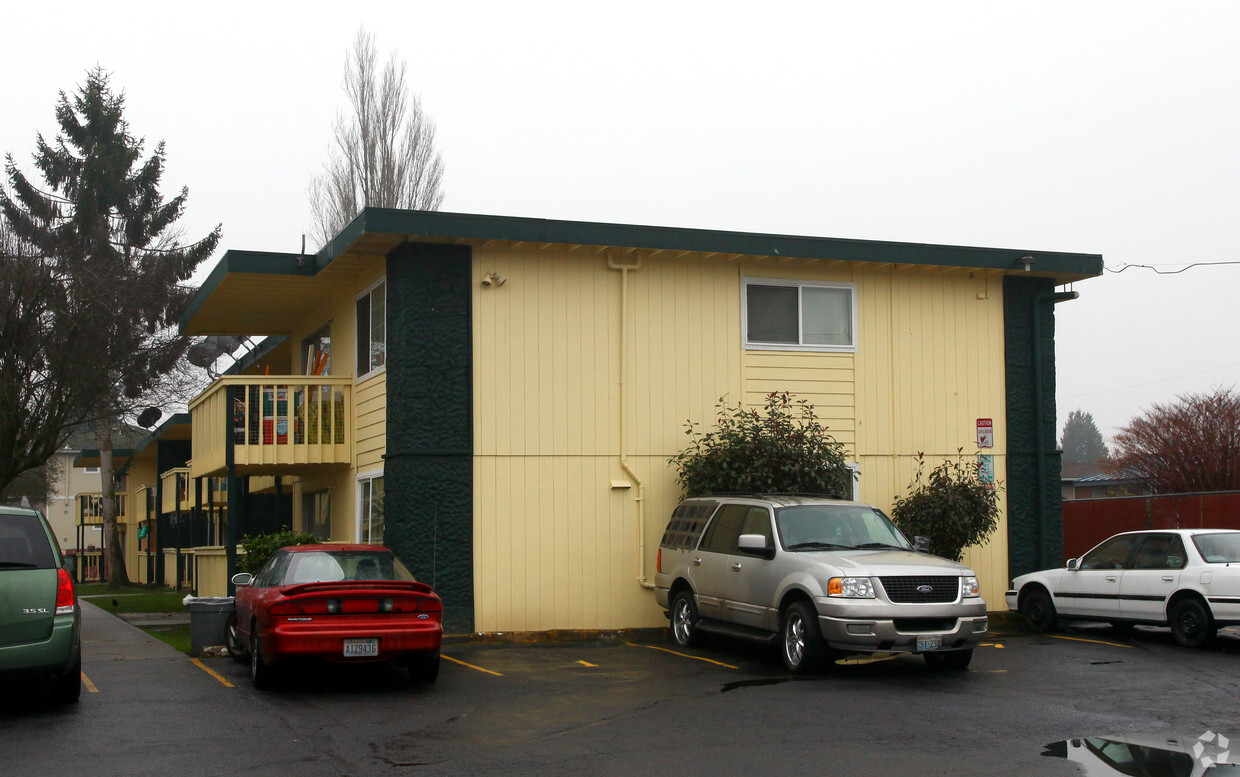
(851, 587)
(969, 587)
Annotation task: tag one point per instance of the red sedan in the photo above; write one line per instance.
(346, 603)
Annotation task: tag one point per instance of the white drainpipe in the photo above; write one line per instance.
(624, 454)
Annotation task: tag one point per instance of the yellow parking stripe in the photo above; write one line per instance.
(89, 685)
(684, 655)
(211, 672)
(1095, 641)
(587, 663)
(471, 666)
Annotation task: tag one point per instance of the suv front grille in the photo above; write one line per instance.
(904, 590)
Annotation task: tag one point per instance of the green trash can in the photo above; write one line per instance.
(208, 621)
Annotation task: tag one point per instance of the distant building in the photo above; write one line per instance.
(1098, 481)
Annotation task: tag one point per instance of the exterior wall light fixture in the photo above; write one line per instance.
(493, 279)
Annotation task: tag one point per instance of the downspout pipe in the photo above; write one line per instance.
(625, 269)
(1039, 413)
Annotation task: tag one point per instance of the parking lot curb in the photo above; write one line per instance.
(558, 636)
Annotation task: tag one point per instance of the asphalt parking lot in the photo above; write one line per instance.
(633, 705)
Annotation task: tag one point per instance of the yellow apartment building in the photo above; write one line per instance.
(497, 398)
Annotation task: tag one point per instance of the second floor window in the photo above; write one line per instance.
(372, 329)
(800, 315)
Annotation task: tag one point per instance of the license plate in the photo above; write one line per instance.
(929, 643)
(361, 648)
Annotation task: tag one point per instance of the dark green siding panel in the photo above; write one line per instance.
(1035, 533)
(428, 471)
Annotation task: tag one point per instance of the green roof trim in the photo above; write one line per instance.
(465, 226)
(175, 419)
(250, 262)
(475, 227)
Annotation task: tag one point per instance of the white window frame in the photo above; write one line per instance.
(364, 481)
(854, 469)
(368, 291)
(851, 288)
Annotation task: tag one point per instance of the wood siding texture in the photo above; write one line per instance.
(556, 546)
(370, 401)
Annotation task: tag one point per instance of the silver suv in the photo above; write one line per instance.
(815, 576)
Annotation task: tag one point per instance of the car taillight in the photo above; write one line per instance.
(65, 599)
(658, 564)
(285, 608)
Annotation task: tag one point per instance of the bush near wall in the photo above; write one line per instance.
(258, 549)
(780, 449)
(950, 506)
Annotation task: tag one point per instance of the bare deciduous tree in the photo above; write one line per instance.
(1189, 446)
(384, 154)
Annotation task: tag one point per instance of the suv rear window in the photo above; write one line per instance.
(24, 544)
(686, 525)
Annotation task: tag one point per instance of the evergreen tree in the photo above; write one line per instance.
(1082, 442)
(104, 236)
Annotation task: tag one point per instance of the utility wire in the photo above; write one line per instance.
(1166, 272)
(1151, 383)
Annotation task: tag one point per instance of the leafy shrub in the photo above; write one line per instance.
(781, 450)
(951, 507)
(262, 547)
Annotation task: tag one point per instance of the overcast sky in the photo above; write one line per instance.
(1099, 127)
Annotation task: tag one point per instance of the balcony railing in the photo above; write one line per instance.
(274, 423)
(90, 508)
(176, 490)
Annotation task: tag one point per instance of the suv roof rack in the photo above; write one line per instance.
(770, 494)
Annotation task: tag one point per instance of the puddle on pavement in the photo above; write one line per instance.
(756, 683)
(1151, 755)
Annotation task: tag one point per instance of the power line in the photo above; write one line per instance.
(1151, 383)
(1167, 272)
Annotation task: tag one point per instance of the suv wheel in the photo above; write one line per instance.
(684, 619)
(801, 644)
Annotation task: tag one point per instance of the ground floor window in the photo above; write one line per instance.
(370, 509)
(316, 514)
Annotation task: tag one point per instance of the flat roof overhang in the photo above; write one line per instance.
(175, 427)
(257, 293)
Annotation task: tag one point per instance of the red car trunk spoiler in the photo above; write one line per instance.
(362, 586)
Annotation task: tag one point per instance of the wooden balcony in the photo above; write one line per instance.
(176, 490)
(90, 509)
(277, 424)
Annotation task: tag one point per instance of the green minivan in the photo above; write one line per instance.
(40, 618)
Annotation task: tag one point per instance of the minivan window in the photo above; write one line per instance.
(24, 544)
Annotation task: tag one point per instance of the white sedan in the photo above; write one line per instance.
(1188, 579)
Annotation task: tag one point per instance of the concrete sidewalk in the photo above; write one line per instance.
(109, 638)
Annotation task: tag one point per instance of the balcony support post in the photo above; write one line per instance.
(234, 498)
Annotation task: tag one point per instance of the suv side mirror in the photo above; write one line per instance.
(754, 545)
(921, 544)
(242, 578)
(1072, 564)
(69, 565)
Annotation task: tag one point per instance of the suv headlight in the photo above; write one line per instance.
(851, 587)
(969, 587)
